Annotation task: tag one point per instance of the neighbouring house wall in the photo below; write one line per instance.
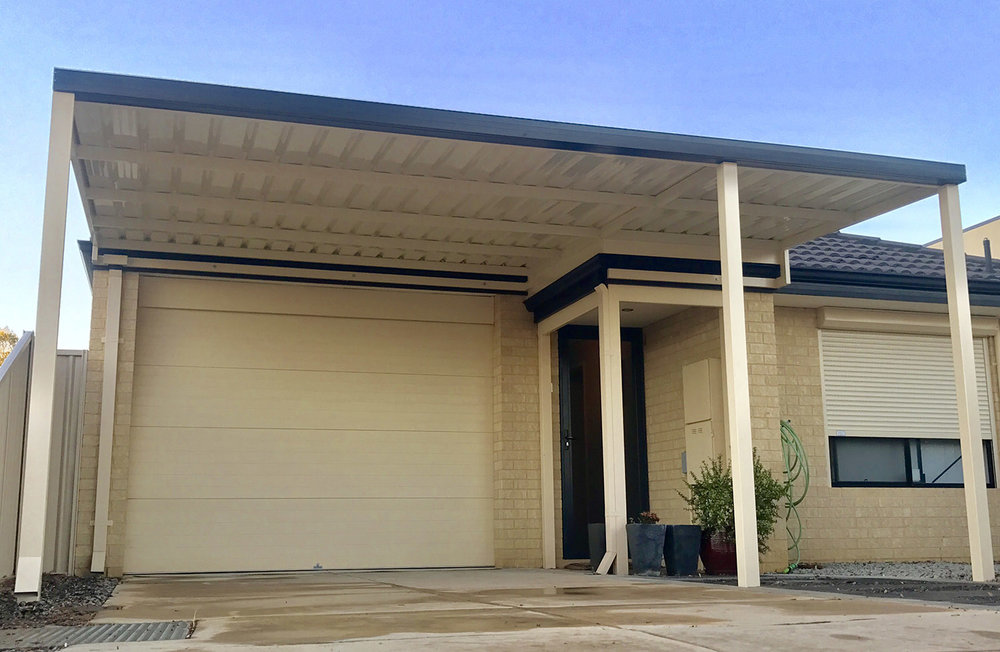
(687, 337)
(516, 447)
(87, 487)
(861, 523)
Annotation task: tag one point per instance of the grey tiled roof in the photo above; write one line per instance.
(842, 252)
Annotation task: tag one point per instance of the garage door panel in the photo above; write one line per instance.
(266, 341)
(263, 398)
(227, 535)
(279, 427)
(233, 463)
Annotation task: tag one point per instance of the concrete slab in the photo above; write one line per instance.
(529, 609)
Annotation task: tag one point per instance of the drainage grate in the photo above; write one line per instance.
(58, 635)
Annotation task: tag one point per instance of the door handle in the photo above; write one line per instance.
(568, 438)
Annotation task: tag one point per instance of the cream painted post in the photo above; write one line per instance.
(613, 431)
(545, 390)
(737, 374)
(960, 317)
(38, 440)
(105, 443)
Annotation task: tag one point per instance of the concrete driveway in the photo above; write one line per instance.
(529, 609)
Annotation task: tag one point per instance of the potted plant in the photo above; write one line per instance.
(645, 543)
(710, 499)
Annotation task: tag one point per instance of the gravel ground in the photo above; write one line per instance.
(934, 581)
(921, 570)
(66, 600)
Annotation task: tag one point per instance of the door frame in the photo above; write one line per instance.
(634, 337)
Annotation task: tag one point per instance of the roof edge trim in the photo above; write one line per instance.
(196, 97)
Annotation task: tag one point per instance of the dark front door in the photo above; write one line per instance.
(580, 437)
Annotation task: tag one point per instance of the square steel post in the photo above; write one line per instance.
(737, 374)
(960, 318)
(38, 440)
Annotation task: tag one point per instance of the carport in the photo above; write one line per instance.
(207, 182)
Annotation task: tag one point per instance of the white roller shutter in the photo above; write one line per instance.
(896, 385)
(281, 427)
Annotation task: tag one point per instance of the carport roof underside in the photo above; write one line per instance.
(184, 168)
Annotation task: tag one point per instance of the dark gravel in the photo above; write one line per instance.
(986, 594)
(66, 600)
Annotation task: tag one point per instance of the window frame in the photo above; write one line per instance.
(908, 461)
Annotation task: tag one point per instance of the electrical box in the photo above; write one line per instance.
(704, 416)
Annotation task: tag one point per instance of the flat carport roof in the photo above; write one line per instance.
(190, 169)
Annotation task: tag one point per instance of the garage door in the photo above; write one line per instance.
(278, 426)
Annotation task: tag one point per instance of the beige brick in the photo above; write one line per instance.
(86, 494)
(854, 523)
(517, 519)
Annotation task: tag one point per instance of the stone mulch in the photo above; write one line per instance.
(66, 600)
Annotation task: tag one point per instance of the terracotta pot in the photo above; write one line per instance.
(717, 554)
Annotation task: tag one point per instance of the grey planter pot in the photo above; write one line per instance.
(645, 543)
(596, 537)
(680, 549)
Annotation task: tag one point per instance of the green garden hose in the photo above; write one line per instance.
(796, 485)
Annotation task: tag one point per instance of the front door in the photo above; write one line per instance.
(580, 437)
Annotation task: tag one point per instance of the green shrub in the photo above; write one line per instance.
(710, 499)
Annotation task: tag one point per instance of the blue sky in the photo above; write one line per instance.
(918, 79)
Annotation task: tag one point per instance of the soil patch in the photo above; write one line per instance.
(984, 594)
(66, 600)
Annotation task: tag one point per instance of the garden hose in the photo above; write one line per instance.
(796, 486)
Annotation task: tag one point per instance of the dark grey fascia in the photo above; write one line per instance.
(214, 99)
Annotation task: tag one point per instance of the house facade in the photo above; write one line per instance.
(974, 236)
(353, 335)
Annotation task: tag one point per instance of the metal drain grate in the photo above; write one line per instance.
(59, 635)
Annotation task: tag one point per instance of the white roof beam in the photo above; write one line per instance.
(665, 197)
(441, 184)
(328, 213)
(316, 237)
(912, 194)
(309, 257)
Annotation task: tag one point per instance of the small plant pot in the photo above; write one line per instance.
(645, 544)
(597, 539)
(680, 549)
(717, 554)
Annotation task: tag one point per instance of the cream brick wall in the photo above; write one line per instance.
(686, 337)
(516, 452)
(87, 488)
(860, 523)
(670, 344)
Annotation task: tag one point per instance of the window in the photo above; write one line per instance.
(901, 462)
(891, 411)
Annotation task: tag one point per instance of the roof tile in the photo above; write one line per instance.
(843, 252)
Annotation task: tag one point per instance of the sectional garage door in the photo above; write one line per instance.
(279, 426)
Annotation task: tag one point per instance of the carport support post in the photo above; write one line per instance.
(38, 439)
(613, 430)
(105, 443)
(960, 317)
(545, 390)
(734, 336)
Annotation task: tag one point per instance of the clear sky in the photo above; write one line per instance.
(913, 78)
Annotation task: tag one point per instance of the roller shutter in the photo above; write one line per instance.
(896, 385)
